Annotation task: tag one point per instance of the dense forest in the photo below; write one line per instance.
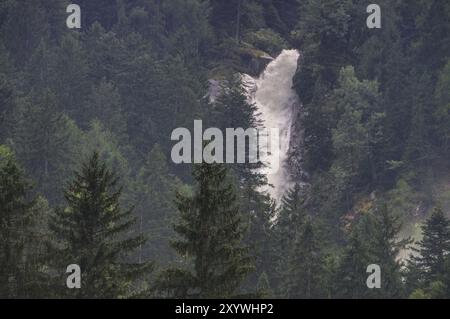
(86, 117)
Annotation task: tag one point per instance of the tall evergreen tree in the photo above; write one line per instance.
(211, 230)
(92, 233)
(45, 141)
(386, 249)
(155, 187)
(19, 267)
(292, 214)
(290, 220)
(434, 247)
(306, 278)
(231, 109)
(351, 275)
(358, 131)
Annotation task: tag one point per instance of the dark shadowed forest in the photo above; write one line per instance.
(87, 179)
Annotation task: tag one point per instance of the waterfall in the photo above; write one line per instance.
(273, 95)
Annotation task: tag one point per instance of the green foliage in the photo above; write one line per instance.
(442, 113)
(20, 255)
(266, 40)
(290, 220)
(323, 34)
(419, 294)
(231, 109)
(386, 249)
(92, 233)
(351, 275)
(375, 116)
(70, 76)
(374, 239)
(106, 144)
(155, 187)
(434, 247)
(46, 141)
(358, 131)
(211, 231)
(436, 290)
(105, 105)
(306, 278)
(263, 288)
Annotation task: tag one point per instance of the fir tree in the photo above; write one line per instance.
(45, 142)
(156, 187)
(358, 131)
(232, 109)
(386, 249)
(305, 278)
(92, 233)
(351, 275)
(211, 231)
(292, 215)
(290, 220)
(434, 247)
(19, 276)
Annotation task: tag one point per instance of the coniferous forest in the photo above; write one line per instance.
(93, 206)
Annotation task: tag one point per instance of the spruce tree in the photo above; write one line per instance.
(231, 109)
(292, 215)
(46, 141)
(385, 251)
(290, 220)
(19, 277)
(351, 276)
(358, 134)
(155, 187)
(434, 247)
(305, 278)
(92, 232)
(211, 230)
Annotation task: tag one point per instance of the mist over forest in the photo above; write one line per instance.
(93, 204)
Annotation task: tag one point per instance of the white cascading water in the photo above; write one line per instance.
(273, 95)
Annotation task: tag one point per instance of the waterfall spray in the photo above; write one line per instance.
(273, 95)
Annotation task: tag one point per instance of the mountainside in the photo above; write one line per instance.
(89, 121)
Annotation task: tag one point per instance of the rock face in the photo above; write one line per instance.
(215, 88)
(296, 146)
(255, 61)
